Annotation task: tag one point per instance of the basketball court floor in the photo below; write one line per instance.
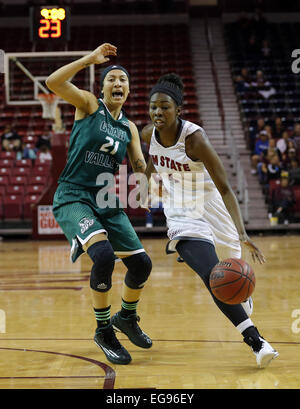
(47, 324)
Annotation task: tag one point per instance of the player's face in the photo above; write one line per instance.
(115, 87)
(163, 111)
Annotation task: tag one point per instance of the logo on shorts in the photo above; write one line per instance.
(85, 224)
(174, 233)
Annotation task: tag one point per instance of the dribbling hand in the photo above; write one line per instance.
(255, 252)
(99, 55)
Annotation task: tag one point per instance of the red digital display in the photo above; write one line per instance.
(50, 28)
(49, 23)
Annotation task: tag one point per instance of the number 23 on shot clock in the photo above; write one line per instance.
(49, 24)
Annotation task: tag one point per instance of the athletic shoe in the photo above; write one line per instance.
(129, 326)
(248, 306)
(106, 339)
(262, 350)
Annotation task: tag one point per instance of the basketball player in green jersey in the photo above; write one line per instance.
(100, 137)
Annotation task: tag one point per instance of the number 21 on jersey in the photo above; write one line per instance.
(111, 143)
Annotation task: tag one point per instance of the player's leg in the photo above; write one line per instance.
(201, 257)
(86, 234)
(102, 254)
(126, 320)
(128, 247)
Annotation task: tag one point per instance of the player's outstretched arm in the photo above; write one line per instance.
(60, 80)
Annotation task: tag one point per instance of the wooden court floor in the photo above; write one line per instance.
(47, 324)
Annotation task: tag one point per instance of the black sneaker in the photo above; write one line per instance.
(129, 326)
(106, 339)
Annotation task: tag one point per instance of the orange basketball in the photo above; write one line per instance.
(232, 281)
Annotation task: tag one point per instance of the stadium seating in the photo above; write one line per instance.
(276, 69)
(285, 103)
(21, 183)
(146, 51)
(141, 55)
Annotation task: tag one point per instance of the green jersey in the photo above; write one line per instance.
(98, 145)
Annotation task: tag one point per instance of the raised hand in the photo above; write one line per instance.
(100, 54)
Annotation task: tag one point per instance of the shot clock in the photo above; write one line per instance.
(49, 24)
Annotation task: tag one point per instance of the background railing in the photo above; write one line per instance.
(238, 171)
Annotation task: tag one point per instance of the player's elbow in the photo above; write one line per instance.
(50, 83)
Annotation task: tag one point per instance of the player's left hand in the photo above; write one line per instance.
(255, 252)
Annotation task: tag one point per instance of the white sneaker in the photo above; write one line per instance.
(248, 306)
(263, 351)
(149, 225)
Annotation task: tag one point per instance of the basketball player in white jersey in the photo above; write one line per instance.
(213, 231)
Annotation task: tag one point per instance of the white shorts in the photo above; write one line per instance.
(216, 227)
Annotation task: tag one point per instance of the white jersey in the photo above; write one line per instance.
(192, 204)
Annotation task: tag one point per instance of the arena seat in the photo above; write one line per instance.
(21, 171)
(13, 207)
(18, 180)
(5, 171)
(6, 163)
(37, 180)
(29, 200)
(15, 190)
(40, 170)
(34, 189)
(7, 155)
(23, 163)
(3, 181)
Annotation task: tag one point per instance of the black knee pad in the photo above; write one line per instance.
(103, 256)
(139, 268)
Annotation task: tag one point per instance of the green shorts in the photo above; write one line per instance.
(77, 213)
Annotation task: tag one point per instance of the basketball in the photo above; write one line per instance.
(232, 281)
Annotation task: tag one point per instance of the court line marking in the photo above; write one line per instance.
(110, 374)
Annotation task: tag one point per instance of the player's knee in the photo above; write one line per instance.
(139, 268)
(103, 257)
